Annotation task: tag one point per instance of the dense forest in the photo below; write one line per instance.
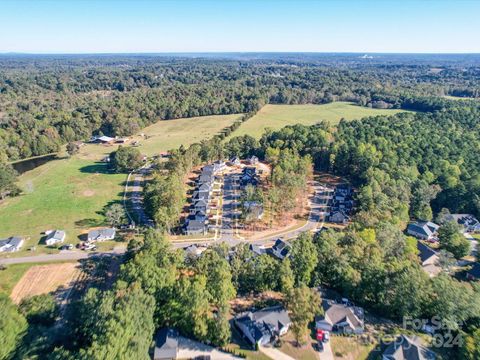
(48, 101)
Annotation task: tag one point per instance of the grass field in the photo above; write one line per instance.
(169, 134)
(71, 193)
(67, 194)
(278, 116)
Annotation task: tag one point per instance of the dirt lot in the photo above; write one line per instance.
(42, 279)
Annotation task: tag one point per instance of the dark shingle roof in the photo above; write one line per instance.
(406, 348)
(166, 344)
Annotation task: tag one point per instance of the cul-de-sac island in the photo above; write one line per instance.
(237, 205)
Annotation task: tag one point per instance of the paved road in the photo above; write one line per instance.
(61, 256)
(136, 198)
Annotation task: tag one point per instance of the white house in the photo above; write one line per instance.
(101, 234)
(11, 244)
(55, 237)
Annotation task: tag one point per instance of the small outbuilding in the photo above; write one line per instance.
(55, 237)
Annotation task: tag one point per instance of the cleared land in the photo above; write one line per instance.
(169, 134)
(278, 116)
(42, 279)
(67, 194)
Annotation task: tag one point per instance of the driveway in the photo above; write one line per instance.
(136, 198)
(274, 353)
(190, 349)
(327, 353)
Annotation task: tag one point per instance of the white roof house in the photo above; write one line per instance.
(101, 234)
(55, 237)
(11, 244)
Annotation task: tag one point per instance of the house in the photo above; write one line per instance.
(166, 345)
(101, 234)
(338, 217)
(407, 348)
(205, 187)
(55, 237)
(253, 160)
(257, 249)
(194, 250)
(263, 326)
(103, 139)
(219, 166)
(281, 249)
(205, 179)
(197, 195)
(467, 222)
(428, 259)
(200, 216)
(249, 176)
(253, 209)
(425, 230)
(474, 272)
(234, 161)
(195, 227)
(340, 318)
(11, 244)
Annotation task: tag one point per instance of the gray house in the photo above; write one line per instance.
(263, 326)
(55, 237)
(11, 244)
(338, 217)
(340, 318)
(195, 227)
(407, 348)
(280, 249)
(166, 345)
(101, 234)
(428, 259)
(425, 230)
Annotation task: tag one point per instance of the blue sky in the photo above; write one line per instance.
(88, 26)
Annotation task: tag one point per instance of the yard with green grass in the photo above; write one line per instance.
(68, 194)
(278, 116)
(168, 134)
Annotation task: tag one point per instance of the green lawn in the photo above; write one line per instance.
(169, 134)
(278, 116)
(11, 275)
(67, 194)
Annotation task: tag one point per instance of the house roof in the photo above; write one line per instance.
(12, 241)
(407, 348)
(265, 321)
(466, 220)
(426, 228)
(105, 138)
(425, 252)
(195, 225)
(58, 235)
(101, 233)
(166, 344)
(259, 250)
(339, 313)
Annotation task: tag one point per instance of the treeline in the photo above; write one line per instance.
(46, 103)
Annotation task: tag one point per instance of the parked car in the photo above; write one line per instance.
(66, 247)
(319, 346)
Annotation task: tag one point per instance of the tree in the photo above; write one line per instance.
(452, 240)
(446, 260)
(40, 309)
(115, 215)
(8, 178)
(304, 258)
(470, 349)
(303, 304)
(126, 159)
(12, 327)
(72, 148)
(286, 277)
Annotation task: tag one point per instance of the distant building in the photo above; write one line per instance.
(425, 230)
(55, 237)
(101, 234)
(11, 244)
(340, 318)
(468, 223)
(253, 160)
(234, 161)
(166, 345)
(281, 249)
(195, 227)
(263, 326)
(407, 348)
(338, 217)
(428, 259)
(102, 139)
